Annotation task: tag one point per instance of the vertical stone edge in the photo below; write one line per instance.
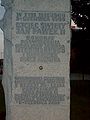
(6, 25)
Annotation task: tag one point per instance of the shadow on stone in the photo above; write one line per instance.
(2, 103)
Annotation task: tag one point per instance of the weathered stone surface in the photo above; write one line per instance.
(37, 55)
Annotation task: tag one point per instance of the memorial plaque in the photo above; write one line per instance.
(36, 62)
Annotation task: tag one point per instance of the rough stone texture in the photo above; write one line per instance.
(37, 55)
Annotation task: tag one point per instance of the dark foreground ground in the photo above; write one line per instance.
(80, 101)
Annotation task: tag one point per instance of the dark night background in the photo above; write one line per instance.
(80, 60)
(80, 42)
(80, 63)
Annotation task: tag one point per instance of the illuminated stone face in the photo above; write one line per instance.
(37, 42)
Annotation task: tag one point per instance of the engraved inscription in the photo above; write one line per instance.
(40, 49)
(41, 23)
(39, 90)
(40, 30)
(40, 16)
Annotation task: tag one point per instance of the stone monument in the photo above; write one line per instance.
(36, 59)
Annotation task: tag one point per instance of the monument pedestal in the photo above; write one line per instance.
(37, 55)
